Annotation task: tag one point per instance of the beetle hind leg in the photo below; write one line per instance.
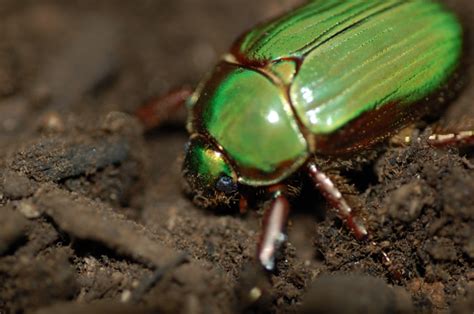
(332, 194)
(273, 226)
(463, 138)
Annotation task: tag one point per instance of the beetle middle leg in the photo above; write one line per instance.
(335, 198)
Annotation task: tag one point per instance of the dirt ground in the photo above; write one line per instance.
(92, 214)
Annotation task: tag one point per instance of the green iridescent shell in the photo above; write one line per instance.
(289, 83)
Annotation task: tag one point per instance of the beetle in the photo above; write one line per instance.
(331, 78)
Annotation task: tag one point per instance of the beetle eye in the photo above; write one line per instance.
(186, 147)
(226, 184)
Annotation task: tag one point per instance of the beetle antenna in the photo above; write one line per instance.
(273, 226)
(332, 194)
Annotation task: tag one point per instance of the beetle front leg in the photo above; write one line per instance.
(273, 226)
(332, 194)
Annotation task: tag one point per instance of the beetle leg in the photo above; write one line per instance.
(452, 139)
(455, 131)
(157, 110)
(332, 194)
(273, 225)
(243, 205)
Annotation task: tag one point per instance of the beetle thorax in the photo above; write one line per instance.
(251, 119)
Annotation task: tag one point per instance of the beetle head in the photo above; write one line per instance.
(208, 176)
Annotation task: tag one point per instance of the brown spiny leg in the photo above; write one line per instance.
(441, 138)
(157, 110)
(462, 138)
(273, 226)
(332, 194)
(457, 131)
(347, 189)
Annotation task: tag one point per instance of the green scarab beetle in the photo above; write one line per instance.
(330, 78)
